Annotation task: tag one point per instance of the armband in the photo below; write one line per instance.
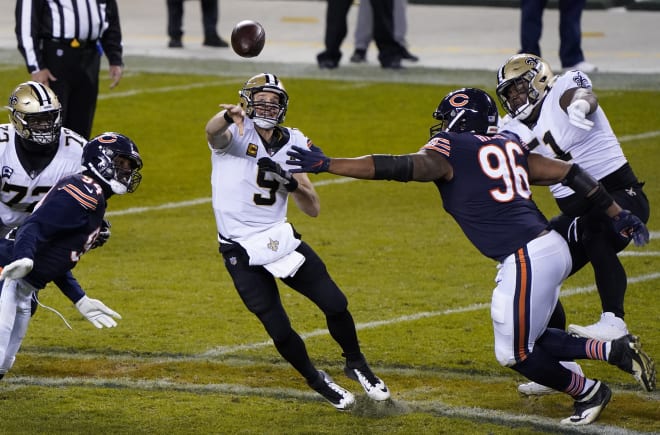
(587, 187)
(228, 118)
(389, 167)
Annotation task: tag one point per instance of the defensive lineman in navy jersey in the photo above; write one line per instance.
(562, 118)
(484, 179)
(36, 152)
(63, 226)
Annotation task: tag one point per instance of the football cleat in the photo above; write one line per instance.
(339, 398)
(589, 407)
(627, 354)
(372, 384)
(608, 328)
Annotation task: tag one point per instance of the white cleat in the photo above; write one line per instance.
(608, 328)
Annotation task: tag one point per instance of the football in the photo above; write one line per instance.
(248, 38)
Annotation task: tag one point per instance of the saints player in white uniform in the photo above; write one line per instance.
(566, 122)
(35, 152)
(251, 186)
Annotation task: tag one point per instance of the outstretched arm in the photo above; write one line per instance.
(422, 166)
(545, 171)
(217, 129)
(92, 309)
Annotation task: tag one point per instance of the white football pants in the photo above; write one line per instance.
(15, 312)
(527, 291)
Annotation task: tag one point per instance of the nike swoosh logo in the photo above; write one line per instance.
(89, 190)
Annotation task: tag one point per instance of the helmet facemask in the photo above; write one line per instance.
(523, 75)
(263, 110)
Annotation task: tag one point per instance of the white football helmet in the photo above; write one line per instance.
(36, 113)
(531, 76)
(264, 83)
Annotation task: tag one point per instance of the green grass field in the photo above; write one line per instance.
(188, 358)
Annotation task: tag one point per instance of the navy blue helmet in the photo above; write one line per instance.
(466, 109)
(102, 159)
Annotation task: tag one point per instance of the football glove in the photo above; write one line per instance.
(97, 312)
(103, 236)
(577, 114)
(629, 226)
(281, 175)
(309, 160)
(17, 269)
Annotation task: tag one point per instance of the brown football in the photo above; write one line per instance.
(248, 38)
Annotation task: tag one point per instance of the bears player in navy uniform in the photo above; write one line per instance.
(63, 226)
(35, 152)
(484, 178)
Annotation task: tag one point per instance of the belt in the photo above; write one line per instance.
(74, 43)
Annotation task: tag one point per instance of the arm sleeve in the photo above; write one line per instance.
(69, 285)
(27, 32)
(111, 38)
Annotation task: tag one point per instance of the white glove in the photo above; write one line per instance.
(577, 114)
(17, 269)
(97, 312)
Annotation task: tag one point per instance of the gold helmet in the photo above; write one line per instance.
(264, 83)
(36, 113)
(530, 75)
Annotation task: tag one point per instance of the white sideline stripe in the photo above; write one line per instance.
(224, 350)
(198, 201)
(162, 90)
(401, 406)
(639, 253)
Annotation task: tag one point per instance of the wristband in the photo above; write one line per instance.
(228, 118)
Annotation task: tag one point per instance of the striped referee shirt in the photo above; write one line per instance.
(87, 21)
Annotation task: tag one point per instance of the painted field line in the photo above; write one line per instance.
(225, 350)
(198, 201)
(163, 89)
(363, 407)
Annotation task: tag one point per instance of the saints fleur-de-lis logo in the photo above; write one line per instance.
(273, 245)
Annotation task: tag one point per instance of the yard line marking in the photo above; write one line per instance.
(162, 90)
(198, 201)
(224, 350)
(363, 406)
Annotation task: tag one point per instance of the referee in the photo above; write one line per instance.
(62, 42)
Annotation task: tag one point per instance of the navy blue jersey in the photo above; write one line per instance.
(62, 227)
(67, 283)
(489, 194)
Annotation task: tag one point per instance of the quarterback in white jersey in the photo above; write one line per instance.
(251, 184)
(559, 116)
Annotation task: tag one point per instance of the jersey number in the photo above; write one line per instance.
(272, 185)
(21, 192)
(499, 164)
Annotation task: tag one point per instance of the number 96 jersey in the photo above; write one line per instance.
(21, 190)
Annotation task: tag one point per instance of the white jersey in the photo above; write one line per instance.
(20, 191)
(246, 202)
(597, 151)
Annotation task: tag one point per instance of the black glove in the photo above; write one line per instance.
(629, 226)
(284, 177)
(104, 235)
(309, 160)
